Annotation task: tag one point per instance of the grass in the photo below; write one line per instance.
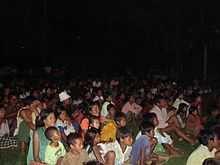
(13, 157)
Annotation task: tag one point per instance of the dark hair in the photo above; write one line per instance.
(211, 161)
(110, 106)
(182, 108)
(206, 135)
(89, 138)
(49, 132)
(93, 162)
(42, 116)
(59, 110)
(149, 117)
(158, 98)
(192, 109)
(119, 116)
(122, 133)
(72, 137)
(146, 127)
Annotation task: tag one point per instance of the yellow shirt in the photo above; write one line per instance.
(199, 155)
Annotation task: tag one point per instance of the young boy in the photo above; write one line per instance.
(55, 148)
(144, 145)
(77, 155)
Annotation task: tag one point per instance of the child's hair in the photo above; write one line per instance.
(93, 162)
(92, 119)
(182, 108)
(119, 116)
(205, 136)
(192, 109)
(90, 137)
(59, 110)
(72, 137)
(211, 161)
(146, 127)
(149, 117)
(42, 116)
(49, 132)
(110, 106)
(122, 133)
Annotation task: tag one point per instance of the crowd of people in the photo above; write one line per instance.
(108, 120)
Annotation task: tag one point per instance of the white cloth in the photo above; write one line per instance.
(67, 128)
(162, 116)
(4, 128)
(115, 146)
(178, 101)
(166, 139)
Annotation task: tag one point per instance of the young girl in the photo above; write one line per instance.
(193, 123)
(94, 113)
(92, 138)
(63, 123)
(55, 149)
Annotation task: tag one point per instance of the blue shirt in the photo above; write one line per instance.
(142, 143)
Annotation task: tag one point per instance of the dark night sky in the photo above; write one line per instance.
(153, 30)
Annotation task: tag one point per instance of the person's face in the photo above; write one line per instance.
(163, 103)
(128, 140)
(194, 113)
(156, 122)
(96, 124)
(63, 115)
(216, 143)
(99, 93)
(95, 111)
(13, 100)
(2, 113)
(112, 111)
(50, 120)
(199, 99)
(131, 99)
(77, 146)
(67, 101)
(56, 137)
(122, 122)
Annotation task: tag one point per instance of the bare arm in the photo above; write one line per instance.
(142, 159)
(97, 153)
(36, 147)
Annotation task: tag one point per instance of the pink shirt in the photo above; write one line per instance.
(134, 108)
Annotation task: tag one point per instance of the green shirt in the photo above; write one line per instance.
(52, 154)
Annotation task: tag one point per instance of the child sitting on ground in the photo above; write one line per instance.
(76, 155)
(143, 147)
(55, 149)
(193, 123)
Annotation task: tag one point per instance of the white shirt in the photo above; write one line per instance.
(162, 116)
(121, 157)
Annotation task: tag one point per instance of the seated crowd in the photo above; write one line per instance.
(109, 121)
